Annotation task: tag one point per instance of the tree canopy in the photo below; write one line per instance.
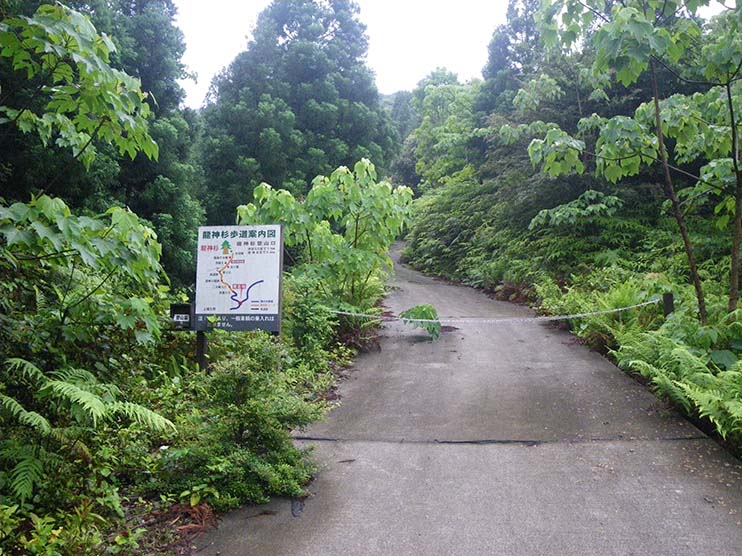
(298, 102)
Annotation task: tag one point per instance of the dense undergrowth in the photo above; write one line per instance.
(98, 392)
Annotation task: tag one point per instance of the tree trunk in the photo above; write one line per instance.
(737, 239)
(677, 212)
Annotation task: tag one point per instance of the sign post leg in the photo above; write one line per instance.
(668, 302)
(202, 349)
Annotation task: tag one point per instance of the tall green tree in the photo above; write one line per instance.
(298, 102)
(75, 97)
(443, 139)
(404, 113)
(514, 52)
(515, 46)
(165, 191)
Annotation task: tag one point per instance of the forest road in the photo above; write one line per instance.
(503, 439)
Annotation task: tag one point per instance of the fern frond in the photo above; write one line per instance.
(87, 381)
(26, 369)
(709, 403)
(142, 416)
(27, 473)
(721, 409)
(734, 408)
(672, 390)
(28, 418)
(733, 382)
(686, 363)
(641, 367)
(91, 405)
(108, 391)
(704, 380)
(75, 376)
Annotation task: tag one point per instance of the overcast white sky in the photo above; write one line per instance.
(407, 38)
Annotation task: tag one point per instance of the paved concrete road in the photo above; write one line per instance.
(506, 439)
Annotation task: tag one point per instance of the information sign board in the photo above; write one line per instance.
(238, 278)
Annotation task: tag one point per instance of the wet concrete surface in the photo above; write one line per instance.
(499, 439)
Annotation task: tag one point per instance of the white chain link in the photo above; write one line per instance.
(482, 320)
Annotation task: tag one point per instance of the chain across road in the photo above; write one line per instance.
(482, 320)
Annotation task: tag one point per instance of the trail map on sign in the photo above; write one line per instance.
(240, 292)
(238, 277)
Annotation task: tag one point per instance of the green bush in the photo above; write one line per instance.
(234, 433)
(603, 290)
(92, 383)
(343, 230)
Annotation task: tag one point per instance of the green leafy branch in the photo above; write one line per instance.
(343, 228)
(85, 98)
(425, 317)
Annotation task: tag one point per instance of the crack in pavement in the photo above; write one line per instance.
(496, 441)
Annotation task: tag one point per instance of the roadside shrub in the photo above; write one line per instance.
(603, 290)
(309, 324)
(235, 437)
(697, 367)
(342, 230)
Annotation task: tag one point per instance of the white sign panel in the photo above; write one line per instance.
(238, 277)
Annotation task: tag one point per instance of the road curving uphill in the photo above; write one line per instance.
(507, 439)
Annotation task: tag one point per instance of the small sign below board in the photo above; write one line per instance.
(238, 278)
(180, 314)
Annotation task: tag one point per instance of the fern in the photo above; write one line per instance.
(142, 416)
(684, 374)
(74, 375)
(686, 363)
(668, 387)
(26, 473)
(85, 380)
(70, 395)
(26, 369)
(28, 418)
(642, 367)
(734, 409)
(709, 404)
(87, 398)
(91, 405)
